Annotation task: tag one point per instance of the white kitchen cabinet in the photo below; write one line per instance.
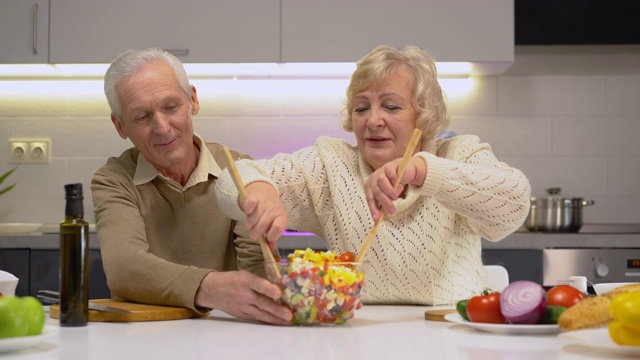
(24, 29)
(475, 31)
(197, 31)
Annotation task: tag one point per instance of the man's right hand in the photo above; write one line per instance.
(243, 295)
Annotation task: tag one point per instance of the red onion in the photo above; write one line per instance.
(523, 302)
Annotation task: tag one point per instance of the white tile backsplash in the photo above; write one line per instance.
(611, 135)
(576, 130)
(483, 98)
(621, 210)
(577, 176)
(506, 133)
(624, 176)
(264, 137)
(623, 95)
(551, 95)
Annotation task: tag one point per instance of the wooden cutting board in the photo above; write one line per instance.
(438, 315)
(139, 312)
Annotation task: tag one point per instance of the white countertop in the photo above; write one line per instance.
(376, 332)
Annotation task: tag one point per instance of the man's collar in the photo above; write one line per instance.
(145, 172)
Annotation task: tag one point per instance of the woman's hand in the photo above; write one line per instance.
(379, 187)
(265, 214)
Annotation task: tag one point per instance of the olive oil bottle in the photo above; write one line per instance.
(74, 260)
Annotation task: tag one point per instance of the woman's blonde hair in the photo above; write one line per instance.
(428, 98)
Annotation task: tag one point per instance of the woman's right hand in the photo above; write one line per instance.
(265, 214)
(379, 187)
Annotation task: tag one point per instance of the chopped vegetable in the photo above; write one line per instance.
(461, 308)
(523, 302)
(551, 314)
(625, 312)
(485, 309)
(347, 257)
(319, 287)
(623, 335)
(564, 295)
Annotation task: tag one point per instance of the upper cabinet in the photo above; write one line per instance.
(245, 31)
(196, 31)
(24, 29)
(475, 31)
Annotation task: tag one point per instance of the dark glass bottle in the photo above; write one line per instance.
(74, 260)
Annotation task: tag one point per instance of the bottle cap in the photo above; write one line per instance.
(73, 191)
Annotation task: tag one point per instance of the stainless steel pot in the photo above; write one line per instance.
(556, 213)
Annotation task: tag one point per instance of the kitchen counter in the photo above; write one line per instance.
(590, 236)
(40, 241)
(376, 332)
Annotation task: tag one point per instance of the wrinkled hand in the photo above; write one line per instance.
(379, 187)
(243, 295)
(265, 214)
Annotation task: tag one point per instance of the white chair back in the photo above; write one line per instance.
(497, 277)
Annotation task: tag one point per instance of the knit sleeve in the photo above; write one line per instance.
(465, 176)
(300, 179)
(227, 192)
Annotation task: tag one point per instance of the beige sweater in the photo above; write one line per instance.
(430, 251)
(158, 240)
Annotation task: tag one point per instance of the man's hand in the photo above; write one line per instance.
(243, 295)
(265, 214)
(379, 186)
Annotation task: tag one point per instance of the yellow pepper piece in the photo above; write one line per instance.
(625, 308)
(314, 313)
(623, 335)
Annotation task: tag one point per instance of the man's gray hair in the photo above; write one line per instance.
(130, 62)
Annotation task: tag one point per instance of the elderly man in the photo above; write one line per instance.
(162, 237)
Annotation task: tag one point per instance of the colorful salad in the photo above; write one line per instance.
(320, 287)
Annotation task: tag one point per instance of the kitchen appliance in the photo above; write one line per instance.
(599, 265)
(555, 213)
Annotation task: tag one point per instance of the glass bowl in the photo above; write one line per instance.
(318, 293)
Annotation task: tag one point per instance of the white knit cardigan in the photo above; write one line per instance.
(428, 253)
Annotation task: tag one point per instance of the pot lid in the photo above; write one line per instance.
(555, 199)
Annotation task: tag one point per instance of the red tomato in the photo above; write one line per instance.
(485, 309)
(564, 295)
(346, 257)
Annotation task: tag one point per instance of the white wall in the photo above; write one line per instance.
(567, 117)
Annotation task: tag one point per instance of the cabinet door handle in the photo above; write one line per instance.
(35, 28)
(178, 52)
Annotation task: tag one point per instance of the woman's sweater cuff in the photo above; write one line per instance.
(434, 179)
(228, 197)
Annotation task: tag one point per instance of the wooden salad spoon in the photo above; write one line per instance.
(408, 153)
(242, 191)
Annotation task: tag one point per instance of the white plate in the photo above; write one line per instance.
(508, 329)
(606, 287)
(15, 343)
(18, 228)
(599, 339)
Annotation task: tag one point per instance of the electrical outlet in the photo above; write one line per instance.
(29, 151)
(18, 152)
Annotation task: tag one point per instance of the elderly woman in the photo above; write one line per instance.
(452, 193)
